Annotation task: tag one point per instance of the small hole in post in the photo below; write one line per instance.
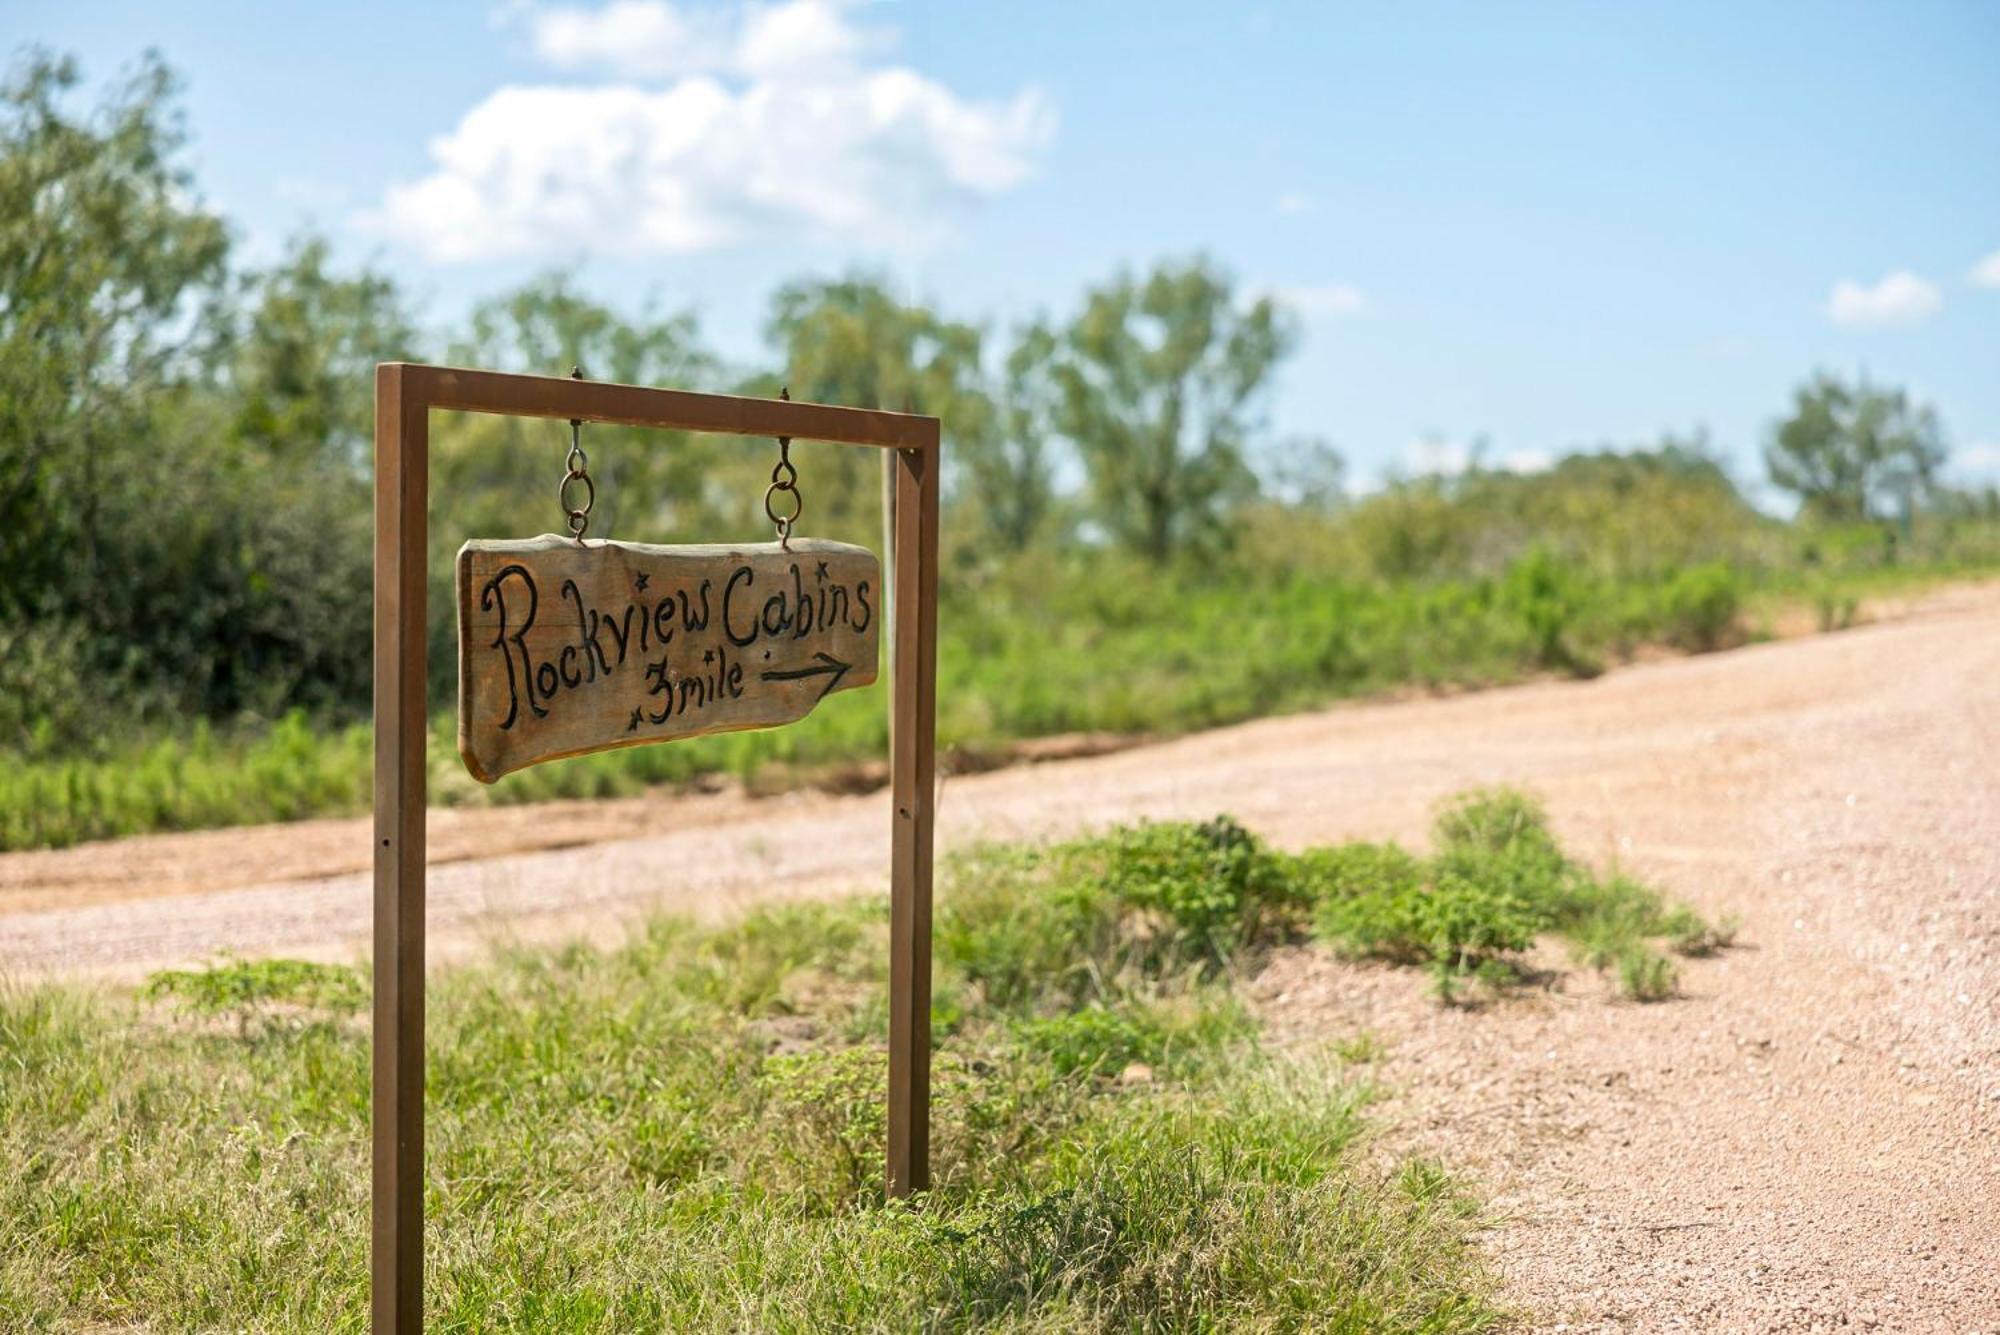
(385, 843)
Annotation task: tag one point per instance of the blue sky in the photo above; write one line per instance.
(1546, 225)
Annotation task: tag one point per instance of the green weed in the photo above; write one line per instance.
(1701, 607)
(685, 1133)
(1360, 1049)
(1496, 882)
(1645, 974)
(1212, 887)
(243, 986)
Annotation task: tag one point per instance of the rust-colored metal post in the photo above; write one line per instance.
(402, 458)
(912, 741)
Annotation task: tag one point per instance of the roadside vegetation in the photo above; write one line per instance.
(685, 1132)
(185, 446)
(1094, 643)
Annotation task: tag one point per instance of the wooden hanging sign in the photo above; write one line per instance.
(566, 648)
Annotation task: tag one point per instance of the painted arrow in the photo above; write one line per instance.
(829, 667)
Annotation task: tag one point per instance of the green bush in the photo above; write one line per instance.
(1835, 608)
(1496, 882)
(1645, 974)
(1700, 607)
(1298, 637)
(1354, 870)
(1452, 921)
(1214, 885)
(1500, 837)
(1547, 596)
(1169, 1036)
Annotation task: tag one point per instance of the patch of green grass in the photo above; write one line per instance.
(1497, 881)
(1209, 889)
(685, 1132)
(249, 985)
(1359, 1049)
(1644, 974)
(198, 779)
(1172, 1039)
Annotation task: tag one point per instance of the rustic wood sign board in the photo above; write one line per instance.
(566, 648)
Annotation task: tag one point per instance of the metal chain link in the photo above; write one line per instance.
(576, 469)
(785, 481)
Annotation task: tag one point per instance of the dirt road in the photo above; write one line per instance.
(1808, 1139)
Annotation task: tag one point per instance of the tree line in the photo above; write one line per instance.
(185, 442)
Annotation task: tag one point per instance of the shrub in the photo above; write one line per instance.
(1500, 837)
(1688, 933)
(1546, 597)
(1645, 974)
(1700, 606)
(1352, 870)
(1453, 921)
(1215, 885)
(1174, 1037)
(1497, 881)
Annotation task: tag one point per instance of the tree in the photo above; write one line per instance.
(1160, 380)
(183, 500)
(1309, 473)
(109, 271)
(1850, 451)
(1010, 467)
(849, 341)
(302, 357)
(499, 474)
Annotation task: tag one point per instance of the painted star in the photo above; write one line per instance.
(822, 570)
(633, 726)
(708, 657)
(640, 579)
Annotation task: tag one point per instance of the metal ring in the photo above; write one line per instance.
(771, 511)
(590, 493)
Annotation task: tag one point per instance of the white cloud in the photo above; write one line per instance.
(633, 39)
(802, 36)
(1900, 298)
(1981, 459)
(1986, 273)
(723, 126)
(1428, 455)
(1441, 456)
(1321, 301)
(1295, 204)
(656, 39)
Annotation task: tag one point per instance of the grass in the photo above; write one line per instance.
(685, 1132)
(1497, 882)
(1021, 656)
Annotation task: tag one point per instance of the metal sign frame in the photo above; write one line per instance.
(405, 395)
